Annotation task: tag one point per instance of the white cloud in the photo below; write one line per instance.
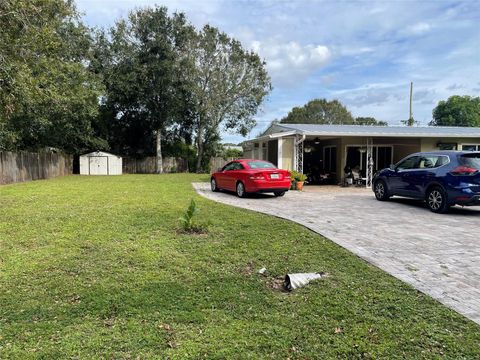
(418, 29)
(291, 62)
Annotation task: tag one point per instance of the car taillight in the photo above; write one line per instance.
(464, 170)
(257, 177)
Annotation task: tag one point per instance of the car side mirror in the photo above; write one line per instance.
(219, 170)
(392, 167)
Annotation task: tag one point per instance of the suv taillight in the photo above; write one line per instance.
(464, 170)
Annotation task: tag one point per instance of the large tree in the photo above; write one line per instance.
(48, 97)
(457, 111)
(319, 111)
(145, 97)
(227, 84)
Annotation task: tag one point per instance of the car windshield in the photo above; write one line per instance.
(260, 165)
(471, 160)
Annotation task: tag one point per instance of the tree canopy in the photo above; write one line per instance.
(48, 97)
(227, 84)
(138, 59)
(319, 111)
(369, 121)
(151, 79)
(457, 111)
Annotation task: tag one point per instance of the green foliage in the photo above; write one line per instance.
(319, 111)
(297, 176)
(227, 84)
(457, 111)
(186, 220)
(369, 121)
(232, 153)
(141, 67)
(48, 96)
(125, 283)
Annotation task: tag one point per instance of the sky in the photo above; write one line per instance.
(363, 53)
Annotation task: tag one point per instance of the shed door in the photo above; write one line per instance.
(98, 165)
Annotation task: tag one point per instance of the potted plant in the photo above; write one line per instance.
(293, 177)
(297, 180)
(300, 179)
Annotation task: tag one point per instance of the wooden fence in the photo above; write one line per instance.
(25, 166)
(148, 165)
(218, 162)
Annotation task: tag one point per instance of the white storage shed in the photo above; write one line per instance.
(100, 163)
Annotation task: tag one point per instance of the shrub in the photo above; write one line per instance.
(186, 220)
(297, 176)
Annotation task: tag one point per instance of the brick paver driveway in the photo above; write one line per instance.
(437, 254)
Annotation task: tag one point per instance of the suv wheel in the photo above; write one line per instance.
(437, 200)
(380, 189)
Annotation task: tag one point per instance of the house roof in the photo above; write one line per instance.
(278, 130)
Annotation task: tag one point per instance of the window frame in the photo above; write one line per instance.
(406, 159)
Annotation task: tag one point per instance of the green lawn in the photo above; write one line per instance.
(96, 267)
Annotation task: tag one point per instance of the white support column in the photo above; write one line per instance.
(280, 153)
(370, 162)
(295, 149)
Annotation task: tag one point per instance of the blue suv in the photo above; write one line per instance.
(441, 178)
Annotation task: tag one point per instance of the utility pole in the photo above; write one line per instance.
(410, 118)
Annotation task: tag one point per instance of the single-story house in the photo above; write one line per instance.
(329, 149)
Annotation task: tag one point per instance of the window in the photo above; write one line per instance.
(408, 164)
(447, 146)
(470, 160)
(330, 158)
(432, 161)
(382, 156)
(230, 166)
(237, 166)
(260, 165)
(471, 147)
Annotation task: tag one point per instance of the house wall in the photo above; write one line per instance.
(430, 144)
(287, 153)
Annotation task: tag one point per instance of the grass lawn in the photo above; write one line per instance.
(95, 267)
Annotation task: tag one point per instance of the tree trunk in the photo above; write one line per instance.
(199, 149)
(159, 152)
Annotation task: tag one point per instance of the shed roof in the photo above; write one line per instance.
(374, 131)
(99, 153)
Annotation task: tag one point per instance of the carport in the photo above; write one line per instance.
(329, 149)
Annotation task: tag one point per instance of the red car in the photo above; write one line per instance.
(251, 176)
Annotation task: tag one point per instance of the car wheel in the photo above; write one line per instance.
(381, 192)
(437, 200)
(279, 193)
(241, 190)
(213, 185)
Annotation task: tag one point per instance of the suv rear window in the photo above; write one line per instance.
(260, 165)
(470, 160)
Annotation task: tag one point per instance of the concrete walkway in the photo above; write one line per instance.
(437, 254)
